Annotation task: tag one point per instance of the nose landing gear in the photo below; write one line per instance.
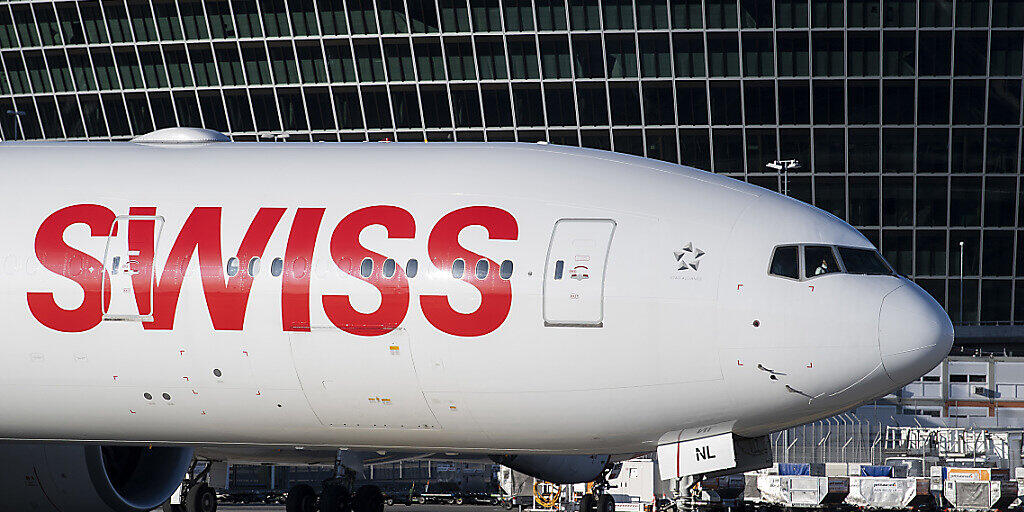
(598, 499)
(594, 503)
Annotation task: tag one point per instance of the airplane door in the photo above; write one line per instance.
(124, 268)
(574, 272)
(360, 382)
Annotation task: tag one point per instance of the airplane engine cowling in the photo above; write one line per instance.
(89, 478)
(557, 469)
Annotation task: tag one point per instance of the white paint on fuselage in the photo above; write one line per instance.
(676, 350)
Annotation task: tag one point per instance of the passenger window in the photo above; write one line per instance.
(300, 267)
(411, 268)
(559, 267)
(458, 268)
(389, 268)
(344, 264)
(366, 267)
(819, 260)
(254, 266)
(786, 262)
(505, 271)
(116, 264)
(232, 266)
(481, 269)
(864, 261)
(276, 267)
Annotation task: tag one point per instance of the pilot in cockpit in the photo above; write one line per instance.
(822, 267)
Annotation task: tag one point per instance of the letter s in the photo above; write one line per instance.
(61, 259)
(495, 292)
(348, 252)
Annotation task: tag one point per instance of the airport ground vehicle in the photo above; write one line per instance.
(441, 492)
(480, 498)
(400, 494)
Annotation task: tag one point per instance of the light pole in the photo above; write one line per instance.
(17, 116)
(783, 166)
(961, 282)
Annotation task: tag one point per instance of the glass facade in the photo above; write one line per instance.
(906, 115)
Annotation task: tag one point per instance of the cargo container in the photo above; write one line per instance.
(885, 493)
(801, 491)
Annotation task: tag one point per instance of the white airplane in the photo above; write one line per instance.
(553, 308)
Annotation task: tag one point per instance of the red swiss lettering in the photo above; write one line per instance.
(61, 259)
(227, 299)
(202, 233)
(347, 253)
(298, 263)
(496, 293)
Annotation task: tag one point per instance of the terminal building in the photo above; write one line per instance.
(905, 116)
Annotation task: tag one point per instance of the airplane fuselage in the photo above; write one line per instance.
(247, 294)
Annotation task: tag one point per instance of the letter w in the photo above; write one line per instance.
(201, 233)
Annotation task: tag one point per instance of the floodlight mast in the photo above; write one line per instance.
(783, 167)
(17, 116)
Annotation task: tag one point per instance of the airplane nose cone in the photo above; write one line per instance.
(914, 333)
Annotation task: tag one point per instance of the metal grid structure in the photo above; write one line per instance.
(841, 438)
(850, 438)
(906, 115)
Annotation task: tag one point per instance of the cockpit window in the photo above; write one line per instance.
(864, 261)
(819, 260)
(786, 262)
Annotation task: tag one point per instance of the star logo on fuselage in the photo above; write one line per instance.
(688, 258)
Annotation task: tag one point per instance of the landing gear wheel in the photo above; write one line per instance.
(335, 498)
(605, 503)
(588, 503)
(171, 507)
(301, 498)
(368, 498)
(201, 498)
